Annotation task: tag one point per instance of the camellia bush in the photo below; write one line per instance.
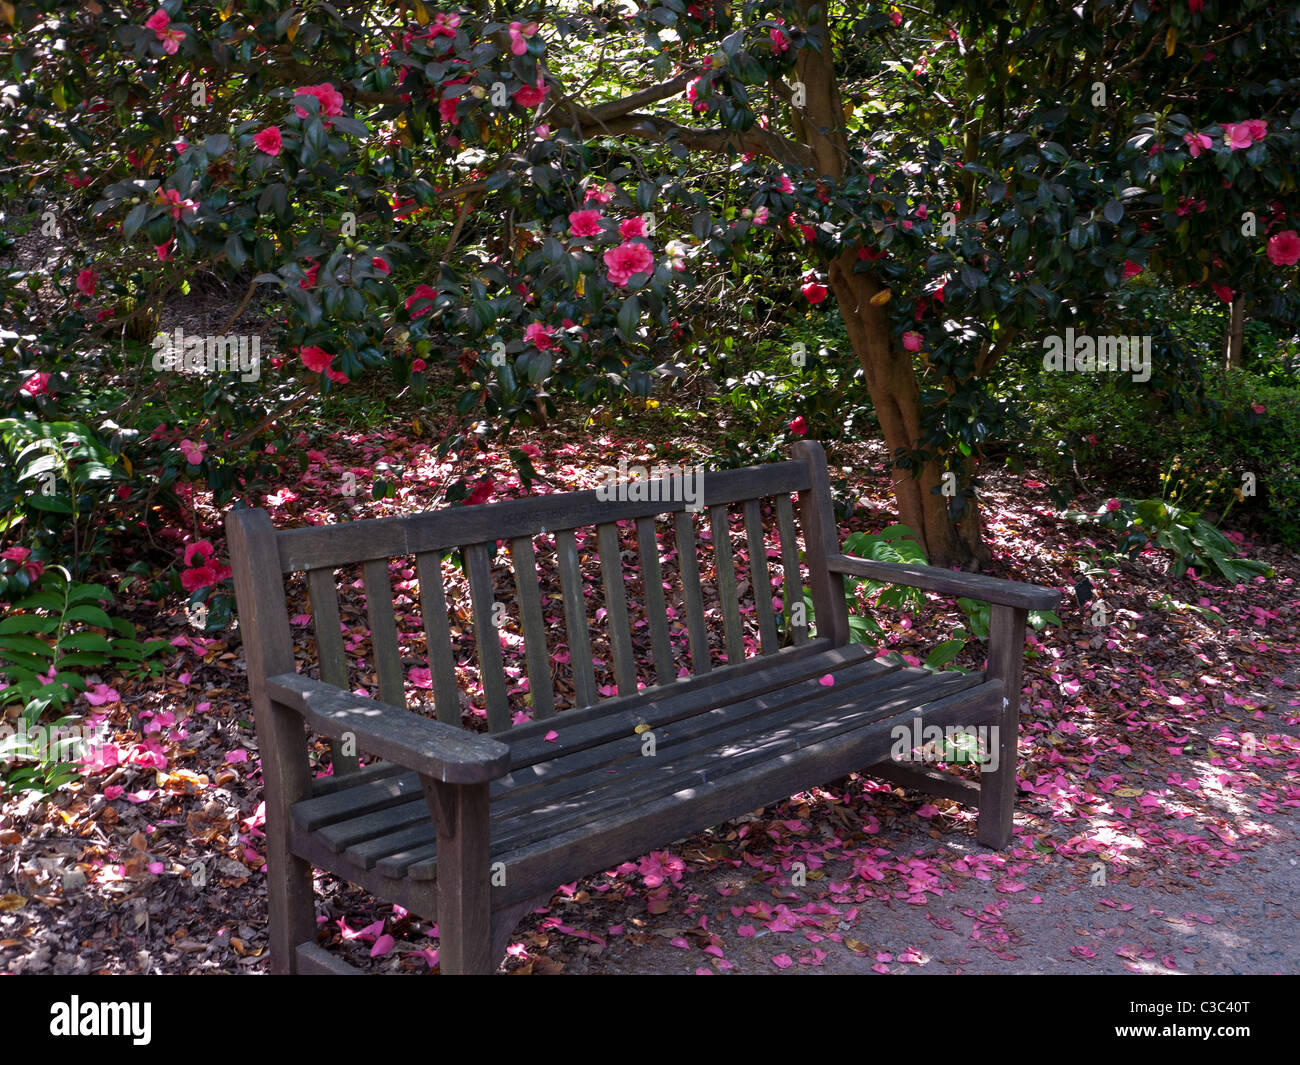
(533, 196)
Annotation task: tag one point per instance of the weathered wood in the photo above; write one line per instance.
(821, 540)
(760, 577)
(268, 650)
(576, 622)
(437, 636)
(791, 575)
(360, 798)
(540, 682)
(487, 638)
(656, 609)
(724, 569)
(329, 650)
(313, 960)
(998, 787)
(464, 888)
(329, 546)
(932, 782)
(374, 771)
(441, 751)
(620, 632)
(689, 564)
(950, 582)
(383, 633)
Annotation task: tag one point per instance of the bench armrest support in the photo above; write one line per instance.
(949, 582)
(443, 752)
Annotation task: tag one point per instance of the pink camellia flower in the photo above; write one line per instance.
(200, 577)
(1236, 134)
(787, 186)
(269, 140)
(628, 259)
(632, 227)
(540, 336)
(380, 264)
(312, 270)
(761, 216)
(447, 109)
(30, 566)
(483, 489)
(600, 193)
(86, 282)
(896, 17)
(444, 25)
(584, 223)
(164, 251)
(813, 292)
(331, 100)
(1257, 128)
(1197, 142)
(417, 366)
(193, 452)
(912, 341)
(15, 554)
(315, 359)
(922, 212)
(1224, 293)
(422, 292)
(1284, 248)
(160, 23)
(1112, 504)
(798, 426)
(38, 384)
(337, 376)
(1131, 269)
(172, 199)
(1258, 408)
(199, 549)
(1194, 6)
(532, 95)
(779, 41)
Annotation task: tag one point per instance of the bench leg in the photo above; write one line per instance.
(291, 903)
(997, 801)
(464, 884)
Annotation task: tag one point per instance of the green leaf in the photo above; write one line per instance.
(91, 615)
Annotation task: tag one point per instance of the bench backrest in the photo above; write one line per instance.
(547, 539)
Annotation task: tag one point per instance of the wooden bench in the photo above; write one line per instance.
(475, 830)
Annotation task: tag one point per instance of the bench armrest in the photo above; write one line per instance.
(950, 582)
(443, 752)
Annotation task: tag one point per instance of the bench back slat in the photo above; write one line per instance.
(329, 648)
(487, 638)
(437, 637)
(793, 582)
(724, 569)
(620, 631)
(383, 632)
(577, 624)
(688, 563)
(760, 577)
(656, 608)
(441, 530)
(821, 539)
(533, 623)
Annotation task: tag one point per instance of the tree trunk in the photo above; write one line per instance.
(891, 380)
(891, 377)
(1236, 331)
